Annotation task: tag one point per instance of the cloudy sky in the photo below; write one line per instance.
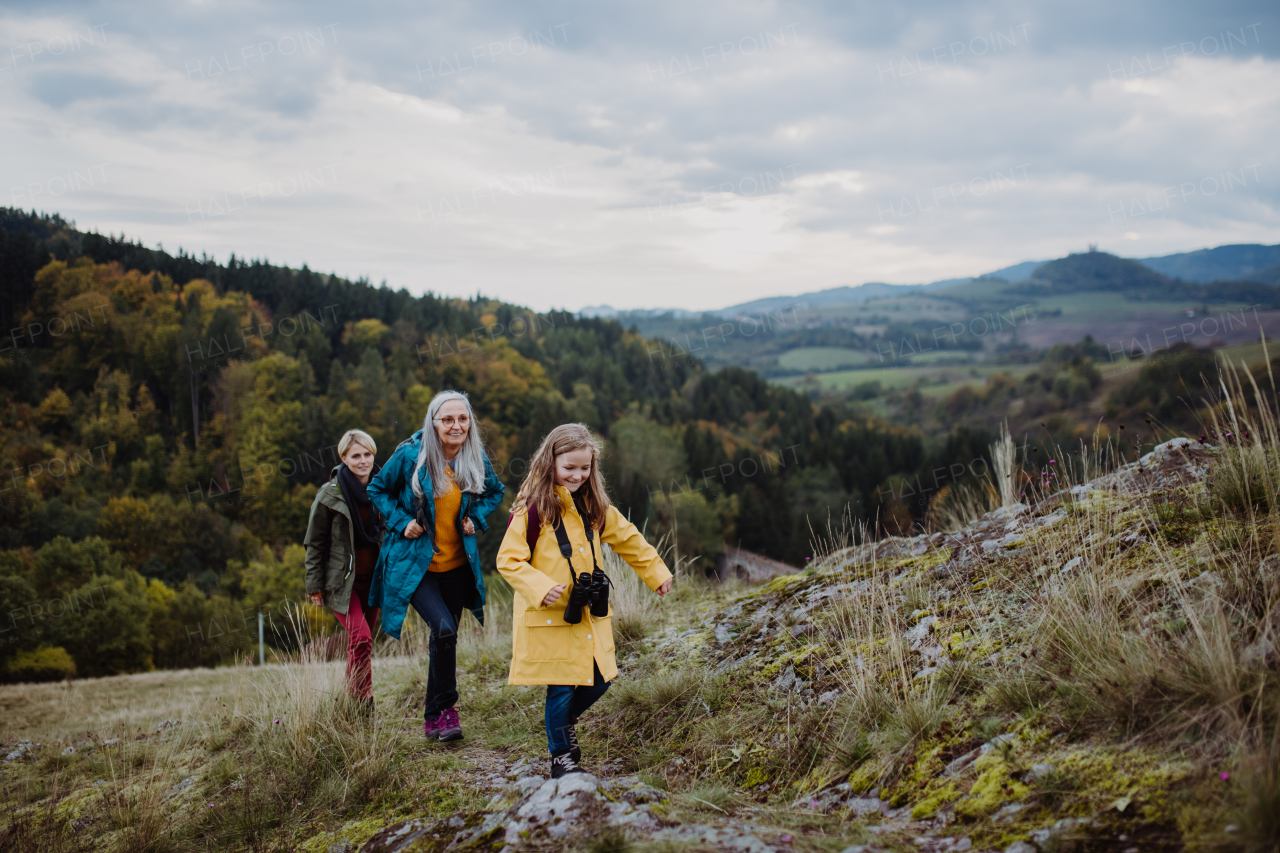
(563, 154)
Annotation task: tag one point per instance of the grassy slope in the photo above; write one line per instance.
(1105, 638)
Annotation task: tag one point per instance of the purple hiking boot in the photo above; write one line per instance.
(431, 728)
(449, 727)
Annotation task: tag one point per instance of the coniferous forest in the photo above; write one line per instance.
(166, 420)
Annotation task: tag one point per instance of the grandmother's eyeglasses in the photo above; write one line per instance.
(461, 420)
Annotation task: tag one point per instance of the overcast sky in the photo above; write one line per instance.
(563, 154)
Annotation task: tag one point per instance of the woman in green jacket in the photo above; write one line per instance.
(343, 541)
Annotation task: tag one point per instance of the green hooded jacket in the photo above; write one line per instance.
(330, 544)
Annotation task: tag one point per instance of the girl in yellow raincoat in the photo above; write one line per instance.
(565, 640)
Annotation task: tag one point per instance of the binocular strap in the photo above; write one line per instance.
(562, 537)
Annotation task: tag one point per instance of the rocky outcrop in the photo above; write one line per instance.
(539, 814)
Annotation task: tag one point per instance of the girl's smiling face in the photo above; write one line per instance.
(573, 468)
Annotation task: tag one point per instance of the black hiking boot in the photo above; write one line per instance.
(575, 751)
(563, 765)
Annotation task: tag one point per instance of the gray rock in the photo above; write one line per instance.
(1005, 815)
(22, 749)
(959, 765)
(529, 783)
(1039, 771)
(997, 742)
(99, 783)
(71, 750)
(1258, 653)
(1020, 847)
(788, 680)
(553, 806)
(920, 630)
(728, 838)
(1005, 513)
(1041, 836)
(863, 806)
(181, 786)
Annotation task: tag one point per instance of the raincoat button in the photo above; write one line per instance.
(588, 636)
(548, 621)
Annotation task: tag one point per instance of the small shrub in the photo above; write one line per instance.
(631, 628)
(1018, 691)
(610, 840)
(962, 677)
(47, 663)
(1244, 479)
(1258, 815)
(917, 716)
(712, 795)
(988, 728)
(1055, 786)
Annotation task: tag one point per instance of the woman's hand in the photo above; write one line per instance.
(664, 589)
(468, 527)
(317, 598)
(554, 595)
(413, 530)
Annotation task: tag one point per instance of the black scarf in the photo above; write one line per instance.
(353, 492)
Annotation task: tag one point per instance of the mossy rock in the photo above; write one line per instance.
(994, 788)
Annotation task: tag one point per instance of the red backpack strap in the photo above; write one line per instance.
(532, 529)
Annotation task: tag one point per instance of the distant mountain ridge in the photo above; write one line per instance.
(1241, 262)
(1101, 271)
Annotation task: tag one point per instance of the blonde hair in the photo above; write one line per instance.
(356, 436)
(468, 465)
(539, 486)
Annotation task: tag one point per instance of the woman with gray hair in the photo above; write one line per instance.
(434, 491)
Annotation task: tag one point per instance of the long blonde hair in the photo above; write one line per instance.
(468, 465)
(539, 486)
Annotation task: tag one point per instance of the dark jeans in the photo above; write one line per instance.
(440, 600)
(565, 704)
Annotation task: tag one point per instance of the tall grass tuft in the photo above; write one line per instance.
(1004, 459)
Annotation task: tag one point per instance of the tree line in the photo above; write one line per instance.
(165, 421)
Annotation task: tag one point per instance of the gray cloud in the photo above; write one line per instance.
(675, 153)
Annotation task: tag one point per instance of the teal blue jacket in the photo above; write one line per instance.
(403, 562)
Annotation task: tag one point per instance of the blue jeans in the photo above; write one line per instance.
(565, 704)
(440, 600)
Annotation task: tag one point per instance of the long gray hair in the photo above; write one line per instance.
(468, 465)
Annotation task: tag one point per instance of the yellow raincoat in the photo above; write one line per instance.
(545, 649)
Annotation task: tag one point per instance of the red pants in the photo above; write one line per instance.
(359, 625)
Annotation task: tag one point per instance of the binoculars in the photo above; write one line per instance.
(588, 590)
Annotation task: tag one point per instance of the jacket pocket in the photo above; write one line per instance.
(548, 636)
(603, 628)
